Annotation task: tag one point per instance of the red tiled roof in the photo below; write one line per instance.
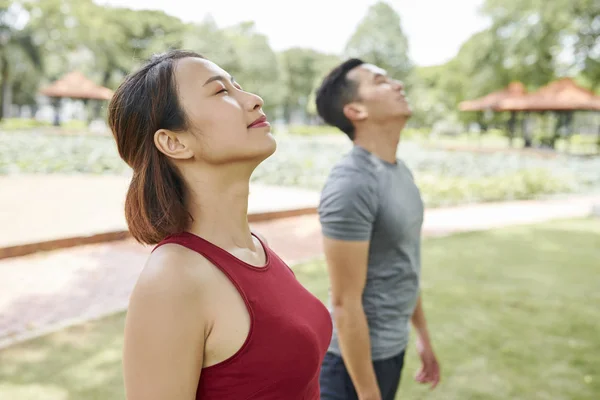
(76, 86)
(561, 95)
(490, 102)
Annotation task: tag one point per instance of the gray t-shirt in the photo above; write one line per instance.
(366, 198)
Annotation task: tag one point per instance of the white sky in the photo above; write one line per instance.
(435, 28)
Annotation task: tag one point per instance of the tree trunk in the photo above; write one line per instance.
(526, 130)
(558, 121)
(34, 110)
(483, 126)
(5, 94)
(56, 104)
(287, 113)
(511, 127)
(598, 143)
(97, 105)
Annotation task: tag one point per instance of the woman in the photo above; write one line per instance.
(215, 313)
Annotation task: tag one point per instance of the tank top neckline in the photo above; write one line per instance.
(262, 268)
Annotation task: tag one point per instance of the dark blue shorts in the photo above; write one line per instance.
(336, 384)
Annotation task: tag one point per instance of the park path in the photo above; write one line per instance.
(44, 291)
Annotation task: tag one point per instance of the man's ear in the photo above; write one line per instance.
(171, 145)
(355, 112)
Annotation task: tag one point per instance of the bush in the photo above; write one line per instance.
(310, 130)
(17, 124)
(521, 185)
(314, 130)
(444, 177)
(14, 124)
(41, 153)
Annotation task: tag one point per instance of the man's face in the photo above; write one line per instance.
(381, 96)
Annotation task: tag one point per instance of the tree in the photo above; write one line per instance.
(379, 39)
(17, 49)
(299, 69)
(530, 34)
(258, 71)
(586, 18)
(202, 38)
(242, 52)
(325, 63)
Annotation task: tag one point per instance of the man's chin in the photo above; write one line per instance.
(406, 113)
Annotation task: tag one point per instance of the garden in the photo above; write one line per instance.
(445, 177)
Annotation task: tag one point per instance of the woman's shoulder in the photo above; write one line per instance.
(174, 265)
(176, 276)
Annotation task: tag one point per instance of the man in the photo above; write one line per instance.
(371, 214)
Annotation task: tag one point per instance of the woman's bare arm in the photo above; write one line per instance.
(165, 330)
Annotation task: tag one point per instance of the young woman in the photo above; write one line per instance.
(215, 314)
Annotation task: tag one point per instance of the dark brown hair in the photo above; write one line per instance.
(335, 92)
(145, 102)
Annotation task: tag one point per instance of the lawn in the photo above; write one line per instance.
(513, 314)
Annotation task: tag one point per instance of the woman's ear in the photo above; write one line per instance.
(169, 144)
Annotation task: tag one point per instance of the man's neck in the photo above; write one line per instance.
(381, 139)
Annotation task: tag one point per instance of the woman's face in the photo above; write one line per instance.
(226, 124)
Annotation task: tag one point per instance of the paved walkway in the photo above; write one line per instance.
(44, 291)
(39, 208)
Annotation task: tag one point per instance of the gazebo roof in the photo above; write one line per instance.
(75, 85)
(561, 95)
(490, 102)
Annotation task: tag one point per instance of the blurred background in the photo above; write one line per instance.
(504, 144)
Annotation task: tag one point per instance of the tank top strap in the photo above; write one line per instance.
(218, 256)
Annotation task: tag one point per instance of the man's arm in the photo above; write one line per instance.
(430, 370)
(347, 264)
(420, 324)
(347, 212)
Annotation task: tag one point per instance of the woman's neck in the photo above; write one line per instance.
(218, 204)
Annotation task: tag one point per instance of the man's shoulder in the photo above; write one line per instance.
(349, 186)
(349, 179)
(353, 169)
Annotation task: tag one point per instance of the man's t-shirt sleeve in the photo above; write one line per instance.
(348, 208)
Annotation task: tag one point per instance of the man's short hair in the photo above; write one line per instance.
(335, 92)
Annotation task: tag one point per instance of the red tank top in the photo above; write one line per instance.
(290, 331)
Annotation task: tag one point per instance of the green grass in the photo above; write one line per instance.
(82, 362)
(17, 124)
(513, 314)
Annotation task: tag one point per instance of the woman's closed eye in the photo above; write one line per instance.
(224, 89)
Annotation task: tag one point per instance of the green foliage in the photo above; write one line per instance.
(244, 53)
(18, 53)
(379, 39)
(586, 18)
(306, 158)
(532, 41)
(258, 71)
(16, 124)
(202, 38)
(308, 130)
(23, 152)
(299, 70)
(520, 185)
(325, 63)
